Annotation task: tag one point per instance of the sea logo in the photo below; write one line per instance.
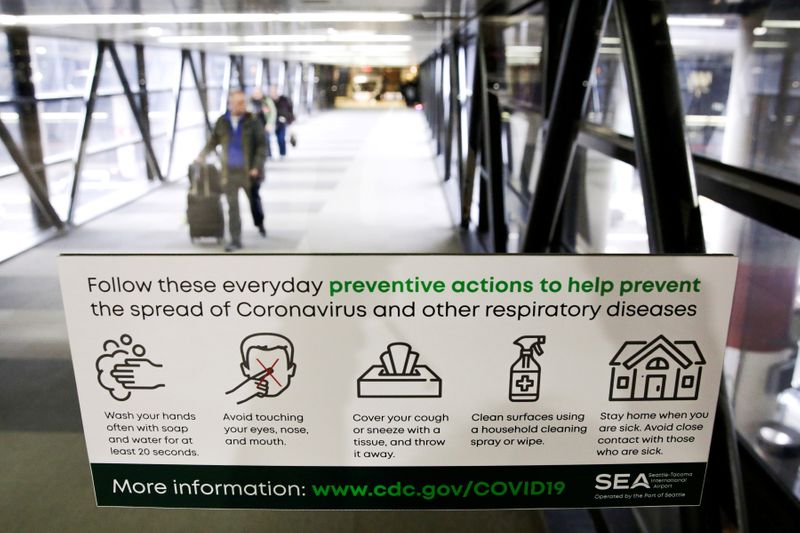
(621, 482)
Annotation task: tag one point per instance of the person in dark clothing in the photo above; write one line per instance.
(285, 112)
(263, 109)
(242, 161)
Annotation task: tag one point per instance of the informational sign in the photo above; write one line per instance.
(397, 381)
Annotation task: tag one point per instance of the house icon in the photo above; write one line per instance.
(656, 370)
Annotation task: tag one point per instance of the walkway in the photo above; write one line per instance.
(358, 181)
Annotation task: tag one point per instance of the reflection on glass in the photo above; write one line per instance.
(251, 69)
(61, 66)
(610, 207)
(6, 89)
(109, 179)
(188, 143)
(740, 87)
(161, 67)
(112, 123)
(109, 78)
(160, 111)
(18, 226)
(216, 66)
(59, 122)
(761, 363)
(190, 111)
(10, 118)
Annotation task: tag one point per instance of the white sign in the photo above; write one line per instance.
(607, 367)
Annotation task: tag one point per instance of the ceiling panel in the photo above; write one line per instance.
(339, 35)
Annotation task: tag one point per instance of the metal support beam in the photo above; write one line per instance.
(177, 90)
(493, 182)
(447, 107)
(266, 74)
(587, 19)
(473, 136)
(556, 16)
(201, 90)
(137, 115)
(455, 109)
(89, 101)
(144, 102)
(663, 159)
(28, 113)
(39, 193)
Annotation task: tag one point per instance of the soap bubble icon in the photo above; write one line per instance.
(117, 370)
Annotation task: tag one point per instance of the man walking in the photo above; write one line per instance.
(243, 154)
(285, 112)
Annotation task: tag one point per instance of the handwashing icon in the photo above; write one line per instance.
(399, 376)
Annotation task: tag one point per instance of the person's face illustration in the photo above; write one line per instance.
(270, 366)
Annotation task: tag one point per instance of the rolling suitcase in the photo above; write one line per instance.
(204, 209)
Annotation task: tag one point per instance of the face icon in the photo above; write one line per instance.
(268, 358)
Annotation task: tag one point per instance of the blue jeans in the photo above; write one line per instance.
(280, 134)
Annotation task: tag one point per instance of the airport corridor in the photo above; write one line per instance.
(359, 180)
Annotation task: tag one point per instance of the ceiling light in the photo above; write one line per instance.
(523, 51)
(704, 22)
(195, 39)
(344, 37)
(284, 38)
(202, 18)
(610, 40)
(786, 24)
(155, 31)
(249, 48)
(770, 44)
(358, 37)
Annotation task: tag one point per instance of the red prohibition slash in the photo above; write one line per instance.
(268, 372)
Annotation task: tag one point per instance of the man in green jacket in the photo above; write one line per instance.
(244, 152)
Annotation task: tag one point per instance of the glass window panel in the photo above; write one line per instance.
(250, 70)
(187, 82)
(761, 364)
(277, 73)
(161, 109)
(608, 102)
(740, 84)
(59, 186)
(190, 111)
(60, 122)
(610, 207)
(6, 88)
(109, 79)
(112, 122)
(216, 66)
(188, 144)
(523, 47)
(8, 113)
(217, 103)
(161, 148)
(109, 179)
(61, 66)
(161, 67)
(18, 229)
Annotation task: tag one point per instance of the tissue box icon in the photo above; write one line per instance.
(399, 376)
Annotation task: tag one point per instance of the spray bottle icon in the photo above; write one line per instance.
(525, 372)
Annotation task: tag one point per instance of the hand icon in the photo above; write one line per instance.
(138, 374)
(252, 387)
